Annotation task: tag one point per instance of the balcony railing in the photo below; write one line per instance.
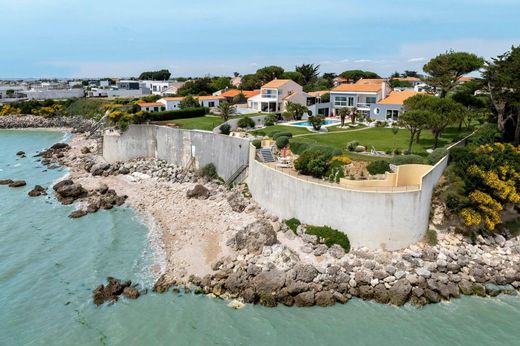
(364, 105)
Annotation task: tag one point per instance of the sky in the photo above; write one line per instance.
(121, 38)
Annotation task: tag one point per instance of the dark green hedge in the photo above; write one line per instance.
(177, 114)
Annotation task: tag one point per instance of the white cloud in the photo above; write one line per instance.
(360, 61)
(417, 59)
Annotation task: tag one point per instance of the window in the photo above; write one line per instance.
(377, 111)
(155, 109)
(340, 101)
(371, 100)
(351, 102)
(211, 104)
(392, 115)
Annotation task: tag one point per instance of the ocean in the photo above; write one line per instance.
(49, 265)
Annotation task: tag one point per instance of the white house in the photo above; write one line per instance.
(274, 96)
(360, 95)
(210, 101)
(171, 103)
(151, 107)
(390, 108)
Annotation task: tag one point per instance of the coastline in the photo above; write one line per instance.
(197, 244)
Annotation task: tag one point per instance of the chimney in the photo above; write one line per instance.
(383, 94)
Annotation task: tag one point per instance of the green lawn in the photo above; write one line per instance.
(292, 129)
(381, 138)
(207, 123)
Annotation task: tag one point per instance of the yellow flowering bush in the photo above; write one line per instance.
(481, 181)
(341, 158)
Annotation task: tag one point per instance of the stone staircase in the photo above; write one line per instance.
(266, 155)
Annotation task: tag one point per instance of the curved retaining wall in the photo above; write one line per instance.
(259, 120)
(389, 220)
(177, 146)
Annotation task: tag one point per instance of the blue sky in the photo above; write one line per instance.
(96, 38)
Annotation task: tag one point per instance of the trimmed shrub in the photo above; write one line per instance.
(209, 171)
(293, 224)
(225, 129)
(378, 167)
(380, 123)
(246, 122)
(257, 143)
(330, 236)
(431, 237)
(351, 146)
(280, 134)
(325, 149)
(299, 147)
(408, 160)
(177, 114)
(270, 120)
(436, 155)
(282, 142)
(312, 163)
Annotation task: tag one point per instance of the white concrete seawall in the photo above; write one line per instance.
(382, 219)
(177, 146)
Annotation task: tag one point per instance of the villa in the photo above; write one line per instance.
(151, 107)
(174, 103)
(274, 96)
(390, 108)
(361, 95)
(232, 93)
(171, 103)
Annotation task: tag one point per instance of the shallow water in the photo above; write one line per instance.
(49, 265)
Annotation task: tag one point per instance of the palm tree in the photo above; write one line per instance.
(226, 110)
(343, 112)
(296, 110)
(353, 114)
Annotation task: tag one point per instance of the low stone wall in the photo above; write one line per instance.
(177, 146)
(259, 120)
(374, 219)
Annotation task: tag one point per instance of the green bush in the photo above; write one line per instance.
(209, 171)
(408, 160)
(325, 149)
(293, 224)
(330, 236)
(378, 167)
(431, 237)
(299, 147)
(380, 123)
(246, 122)
(282, 142)
(312, 163)
(270, 120)
(486, 134)
(436, 155)
(280, 134)
(257, 143)
(225, 129)
(351, 146)
(177, 114)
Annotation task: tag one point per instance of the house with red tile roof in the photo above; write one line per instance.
(151, 106)
(392, 106)
(360, 95)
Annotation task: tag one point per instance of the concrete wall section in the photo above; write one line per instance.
(389, 220)
(178, 146)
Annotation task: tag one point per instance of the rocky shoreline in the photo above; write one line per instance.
(218, 241)
(77, 124)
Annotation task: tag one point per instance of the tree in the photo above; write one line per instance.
(268, 73)
(446, 69)
(343, 112)
(295, 76)
(155, 75)
(199, 86)
(296, 110)
(226, 110)
(396, 83)
(309, 72)
(240, 98)
(502, 81)
(220, 83)
(355, 75)
(354, 113)
(316, 122)
(415, 121)
(236, 74)
(189, 102)
(250, 82)
(408, 73)
(476, 105)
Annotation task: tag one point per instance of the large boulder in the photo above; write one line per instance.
(304, 299)
(67, 191)
(17, 183)
(77, 214)
(269, 281)
(324, 298)
(99, 168)
(237, 201)
(111, 291)
(305, 272)
(199, 192)
(400, 292)
(5, 181)
(254, 237)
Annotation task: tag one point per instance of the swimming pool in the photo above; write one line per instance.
(307, 123)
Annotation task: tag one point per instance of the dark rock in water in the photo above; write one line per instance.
(59, 146)
(325, 298)
(120, 200)
(17, 183)
(163, 284)
(38, 190)
(199, 192)
(93, 207)
(400, 292)
(6, 181)
(111, 291)
(20, 153)
(62, 183)
(269, 281)
(304, 299)
(67, 191)
(268, 300)
(381, 294)
(131, 293)
(77, 214)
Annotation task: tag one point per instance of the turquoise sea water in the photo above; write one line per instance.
(49, 265)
